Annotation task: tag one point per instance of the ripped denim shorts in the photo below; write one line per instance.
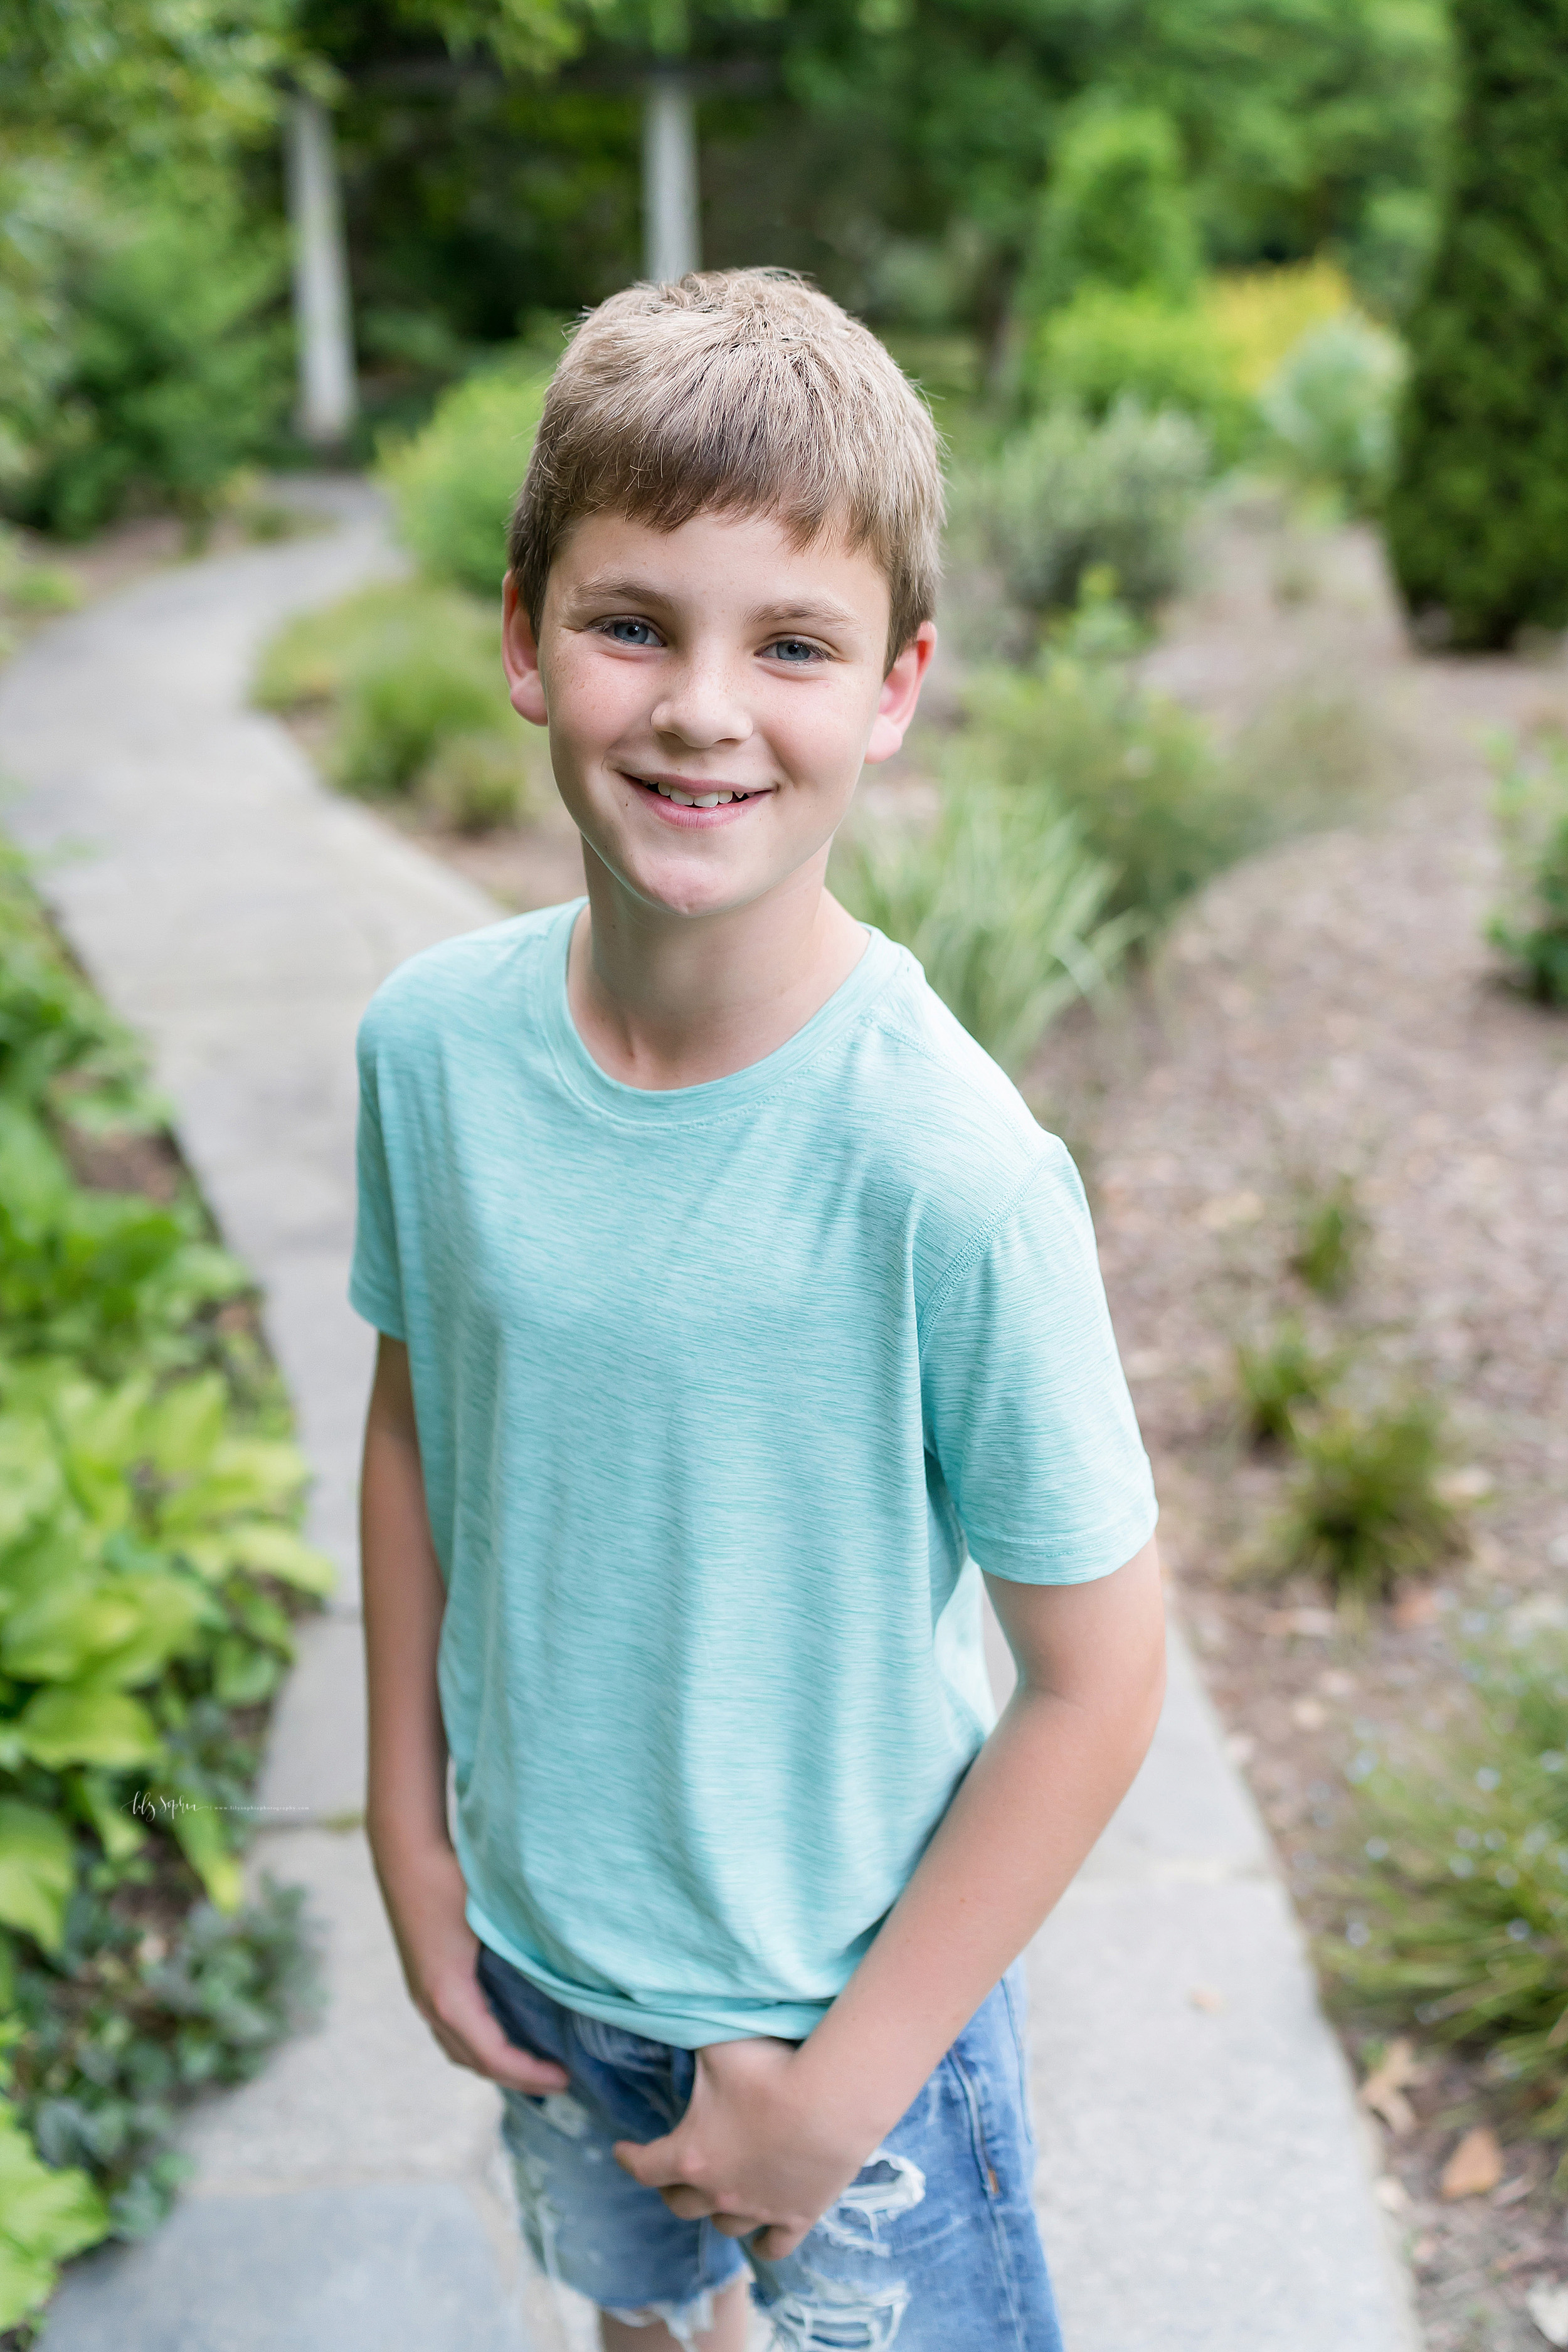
(932, 2246)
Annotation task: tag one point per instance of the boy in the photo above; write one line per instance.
(736, 1316)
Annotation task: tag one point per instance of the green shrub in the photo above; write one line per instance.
(1115, 210)
(1068, 496)
(1477, 516)
(1459, 1926)
(1278, 1378)
(475, 782)
(1330, 406)
(1530, 928)
(1331, 1230)
(1002, 904)
(1139, 772)
(453, 484)
(1366, 1506)
(177, 371)
(1107, 345)
(405, 671)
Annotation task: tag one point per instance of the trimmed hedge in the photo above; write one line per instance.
(1478, 517)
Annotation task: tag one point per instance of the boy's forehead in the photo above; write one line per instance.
(720, 556)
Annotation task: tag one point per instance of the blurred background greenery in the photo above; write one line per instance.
(1029, 196)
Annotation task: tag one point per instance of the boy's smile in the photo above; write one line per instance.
(712, 694)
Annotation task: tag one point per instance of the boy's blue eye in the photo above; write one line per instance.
(649, 635)
(794, 649)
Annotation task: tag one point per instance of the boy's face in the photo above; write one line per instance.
(717, 658)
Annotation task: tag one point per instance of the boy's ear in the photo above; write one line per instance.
(900, 692)
(520, 657)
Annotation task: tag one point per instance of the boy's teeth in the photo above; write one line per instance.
(697, 800)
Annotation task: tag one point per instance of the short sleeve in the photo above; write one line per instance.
(1026, 1407)
(375, 1288)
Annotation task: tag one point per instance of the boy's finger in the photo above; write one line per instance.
(476, 2041)
(775, 2242)
(655, 2166)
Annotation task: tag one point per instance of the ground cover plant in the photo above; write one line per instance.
(400, 686)
(150, 1568)
(1457, 1920)
(1002, 902)
(1531, 805)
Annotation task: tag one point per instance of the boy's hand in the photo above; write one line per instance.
(751, 2150)
(438, 1949)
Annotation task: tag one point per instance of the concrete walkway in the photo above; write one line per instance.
(1204, 2181)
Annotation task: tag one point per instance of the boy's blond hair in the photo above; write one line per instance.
(738, 391)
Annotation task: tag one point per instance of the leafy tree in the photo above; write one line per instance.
(1478, 520)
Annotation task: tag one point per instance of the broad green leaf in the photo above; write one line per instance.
(30, 1480)
(245, 1474)
(120, 1832)
(276, 1551)
(119, 1629)
(37, 1871)
(242, 1673)
(47, 2214)
(199, 1830)
(181, 1429)
(82, 1723)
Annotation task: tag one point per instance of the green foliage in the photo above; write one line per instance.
(1331, 1230)
(1366, 1506)
(453, 485)
(1530, 804)
(148, 1546)
(1478, 516)
(152, 2020)
(173, 369)
(411, 678)
(475, 782)
(1116, 212)
(1330, 409)
(1068, 496)
(1002, 904)
(1280, 1377)
(1107, 345)
(1459, 1926)
(1139, 772)
(47, 2214)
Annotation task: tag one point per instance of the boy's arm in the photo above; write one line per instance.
(406, 1809)
(774, 2133)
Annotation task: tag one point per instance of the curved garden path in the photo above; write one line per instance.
(1203, 2181)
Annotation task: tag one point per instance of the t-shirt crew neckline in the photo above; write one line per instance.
(714, 1098)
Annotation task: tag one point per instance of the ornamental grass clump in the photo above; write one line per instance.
(1281, 1378)
(1458, 1926)
(1367, 1506)
(1332, 1230)
(1002, 903)
(1530, 928)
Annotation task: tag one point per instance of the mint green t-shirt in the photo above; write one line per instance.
(725, 1394)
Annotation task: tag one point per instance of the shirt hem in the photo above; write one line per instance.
(788, 2020)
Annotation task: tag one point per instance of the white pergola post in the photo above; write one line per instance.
(671, 239)
(329, 399)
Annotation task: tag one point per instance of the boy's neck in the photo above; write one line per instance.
(662, 1001)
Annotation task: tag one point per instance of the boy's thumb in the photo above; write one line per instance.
(651, 2165)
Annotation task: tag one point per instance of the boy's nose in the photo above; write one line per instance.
(700, 706)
